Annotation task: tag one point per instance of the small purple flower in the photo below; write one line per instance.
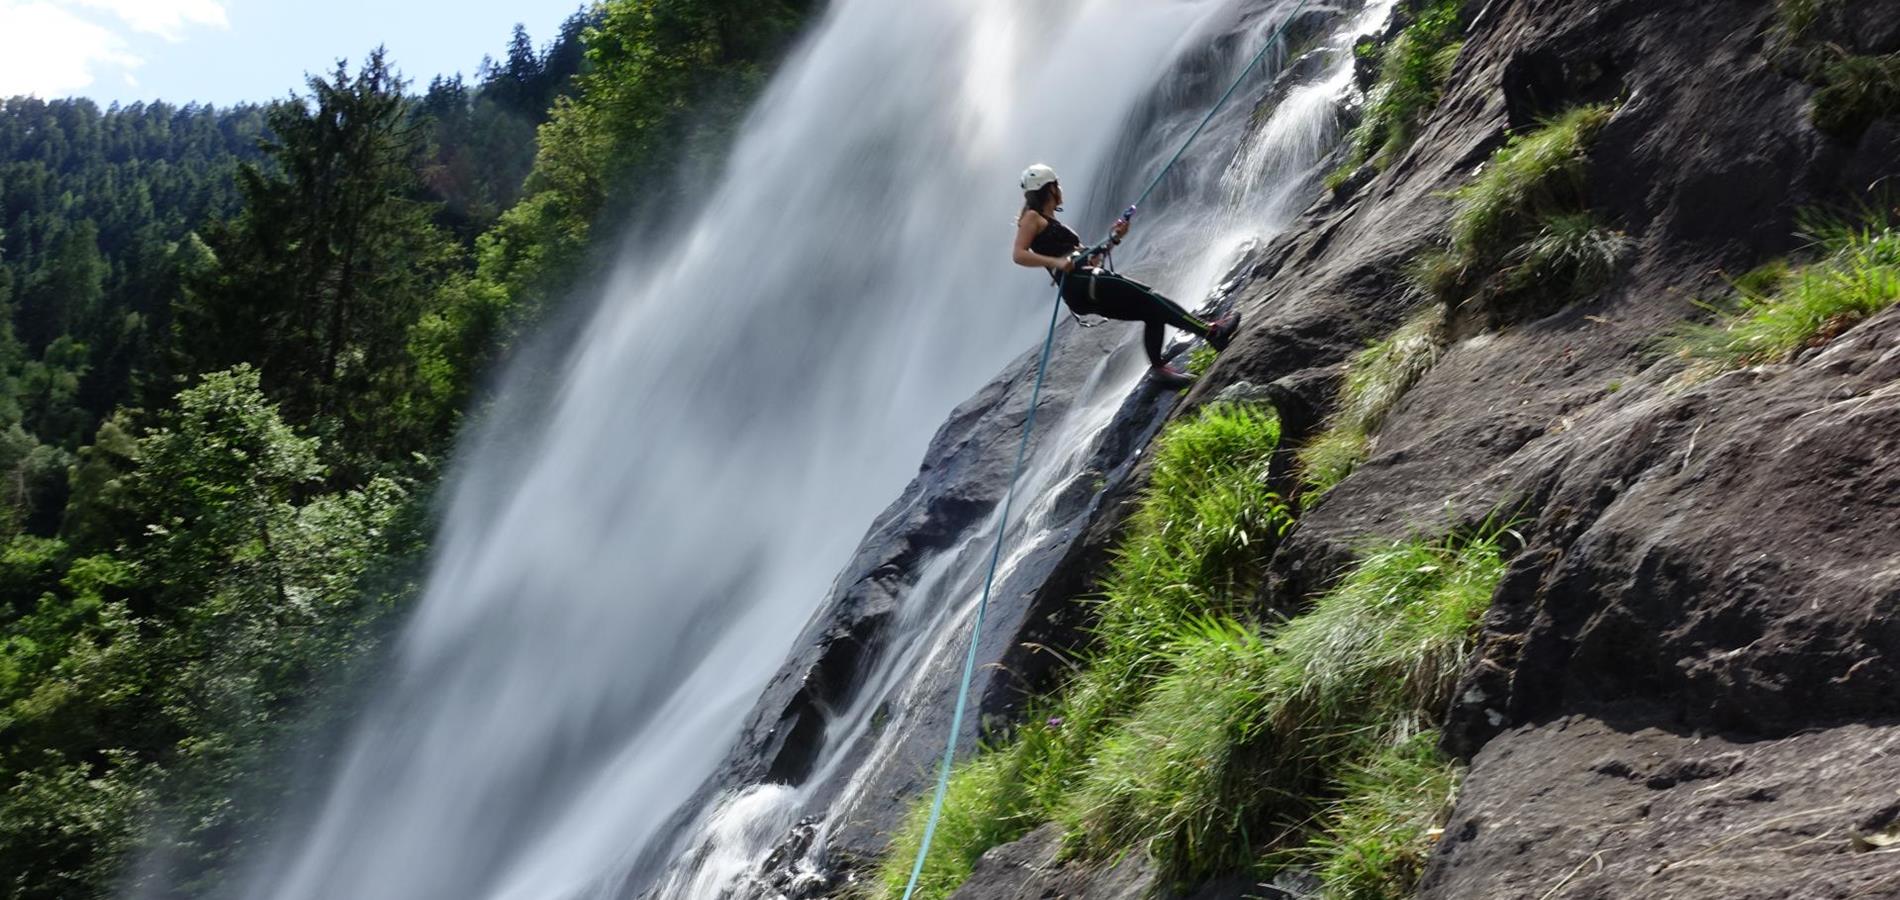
(1055, 721)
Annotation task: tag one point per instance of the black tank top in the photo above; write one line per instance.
(1055, 239)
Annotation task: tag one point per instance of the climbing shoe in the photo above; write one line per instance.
(1168, 378)
(1221, 333)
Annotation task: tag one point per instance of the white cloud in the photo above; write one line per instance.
(165, 18)
(53, 48)
(47, 50)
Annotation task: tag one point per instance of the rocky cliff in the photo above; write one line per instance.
(1687, 683)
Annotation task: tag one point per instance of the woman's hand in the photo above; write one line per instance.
(1065, 264)
(1120, 229)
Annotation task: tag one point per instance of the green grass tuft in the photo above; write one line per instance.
(1795, 17)
(1375, 381)
(988, 803)
(1856, 91)
(1521, 230)
(1378, 837)
(1778, 311)
(1191, 734)
(1193, 553)
(1569, 251)
(1537, 174)
(1202, 533)
(1201, 359)
(1223, 756)
(1413, 70)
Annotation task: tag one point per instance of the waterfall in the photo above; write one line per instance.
(626, 562)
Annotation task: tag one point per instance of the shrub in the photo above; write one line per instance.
(1375, 381)
(1778, 311)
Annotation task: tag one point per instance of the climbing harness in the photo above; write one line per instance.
(1108, 265)
(1022, 451)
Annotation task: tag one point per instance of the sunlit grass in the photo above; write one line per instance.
(1194, 550)
(1203, 737)
(1376, 379)
(1779, 311)
(1232, 747)
(1537, 174)
(1413, 70)
(1378, 836)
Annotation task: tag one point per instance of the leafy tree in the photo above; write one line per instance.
(66, 293)
(332, 261)
(211, 482)
(663, 83)
(250, 313)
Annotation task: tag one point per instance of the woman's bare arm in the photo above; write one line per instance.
(1027, 228)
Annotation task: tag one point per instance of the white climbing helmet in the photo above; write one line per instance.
(1036, 176)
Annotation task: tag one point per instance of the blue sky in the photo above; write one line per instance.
(225, 51)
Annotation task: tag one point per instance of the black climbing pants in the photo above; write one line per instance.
(1091, 291)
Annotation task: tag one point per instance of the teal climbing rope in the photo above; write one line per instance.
(1015, 474)
(983, 605)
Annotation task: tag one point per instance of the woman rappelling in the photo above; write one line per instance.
(1089, 289)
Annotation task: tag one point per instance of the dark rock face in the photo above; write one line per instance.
(1708, 559)
(952, 500)
(1733, 549)
(1719, 558)
(1724, 547)
(1033, 869)
(1630, 806)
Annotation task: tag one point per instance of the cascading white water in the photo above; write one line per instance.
(621, 570)
(1244, 193)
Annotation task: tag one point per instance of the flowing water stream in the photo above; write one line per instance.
(626, 562)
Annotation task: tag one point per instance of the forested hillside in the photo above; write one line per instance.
(236, 345)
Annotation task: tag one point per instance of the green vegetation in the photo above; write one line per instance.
(1192, 557)
(1413, 70)
(1795, 17)
(1535, 175)
(1815, 40)
(1378, 836)
(232, 343)
(1205, 739)
(1375, 381)
(1374, 657)
(1523, 226)
(664, 83)
(1201, 359)
(1778, 311)
(159, 674)
(1855, 91)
